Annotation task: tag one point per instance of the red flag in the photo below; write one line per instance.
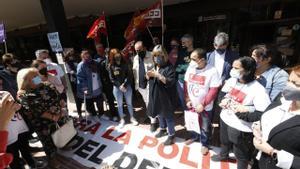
(154, 15)
(150, 17)
(99, 26)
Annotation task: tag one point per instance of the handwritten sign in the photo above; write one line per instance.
(54, 42)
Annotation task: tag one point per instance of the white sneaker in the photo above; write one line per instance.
(122, 123)
(115, 119)
(134, 121)
(104, 117)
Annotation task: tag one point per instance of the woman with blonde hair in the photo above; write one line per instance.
(162, 94)
(41, 107)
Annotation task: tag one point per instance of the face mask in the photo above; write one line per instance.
(158, 60)
(291, 93)
(43, 71)
(142, 54)
(37, 80)
(234, 73)
(174, 46)
(47, 61)
(118, 60)
(220, 51)
(193, 64)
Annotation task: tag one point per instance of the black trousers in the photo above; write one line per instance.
(21, 145)
(90, 107)
(108, 91)
(241, 142)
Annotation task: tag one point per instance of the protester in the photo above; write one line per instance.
(18, 136)
(89, 84)
(9, 73)
(174, 48)
(52, 68)
(242, 93)
(100, 55)
(201, 83)
(40, 107)
(277, 135)
(142, 63)
(7, 111)
(162, 94)
(268, 74)
(41, 66)
(70, 59)
(107, 85)
(121, 77)
(222, 58)
(182, 64)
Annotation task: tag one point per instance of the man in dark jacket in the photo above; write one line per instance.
(221, 58)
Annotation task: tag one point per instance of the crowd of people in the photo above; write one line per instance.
(254, 99)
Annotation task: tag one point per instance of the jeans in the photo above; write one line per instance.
(205, 129)
(167, 123)
(180, 91)
(119, 98)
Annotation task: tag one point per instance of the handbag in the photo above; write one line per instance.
(64, 134)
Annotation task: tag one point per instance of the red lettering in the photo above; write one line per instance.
(125, 137)
(93, 129)
(206, 161)
(148, 141)
(107, 134)
(184, 158)
(224, 165)
(171, 155)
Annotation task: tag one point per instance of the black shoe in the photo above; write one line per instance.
(161, 133)
(169, 141)
(153, 127)
(219, 158)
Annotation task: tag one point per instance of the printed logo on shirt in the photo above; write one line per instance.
(194, 89)
(237, 95)
(53, 72)
(116, 72)
(198, 79)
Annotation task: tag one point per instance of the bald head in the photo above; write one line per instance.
(139, 46)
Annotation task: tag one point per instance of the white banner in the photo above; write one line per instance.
(132, 147)
(192, 121)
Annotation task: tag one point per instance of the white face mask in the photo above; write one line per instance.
(47, 60)
(234, 73)
(193, 64)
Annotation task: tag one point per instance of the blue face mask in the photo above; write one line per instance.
(37, 80)
(158, 60)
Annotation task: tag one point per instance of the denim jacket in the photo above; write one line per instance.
(85, 81)
(274, 80)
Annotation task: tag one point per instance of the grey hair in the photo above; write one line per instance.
(187, 36)
(221, 38)
(38, 52)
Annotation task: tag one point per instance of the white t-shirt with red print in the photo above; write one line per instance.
(199, 81)
(55, 70)
(252, 95)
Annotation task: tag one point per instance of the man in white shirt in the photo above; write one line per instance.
(53, 68)
(202, 83)
(139, 72)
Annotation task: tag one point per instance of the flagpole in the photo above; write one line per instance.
(162, 22)
(107, 40)
(5, 46)
(149, 32)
